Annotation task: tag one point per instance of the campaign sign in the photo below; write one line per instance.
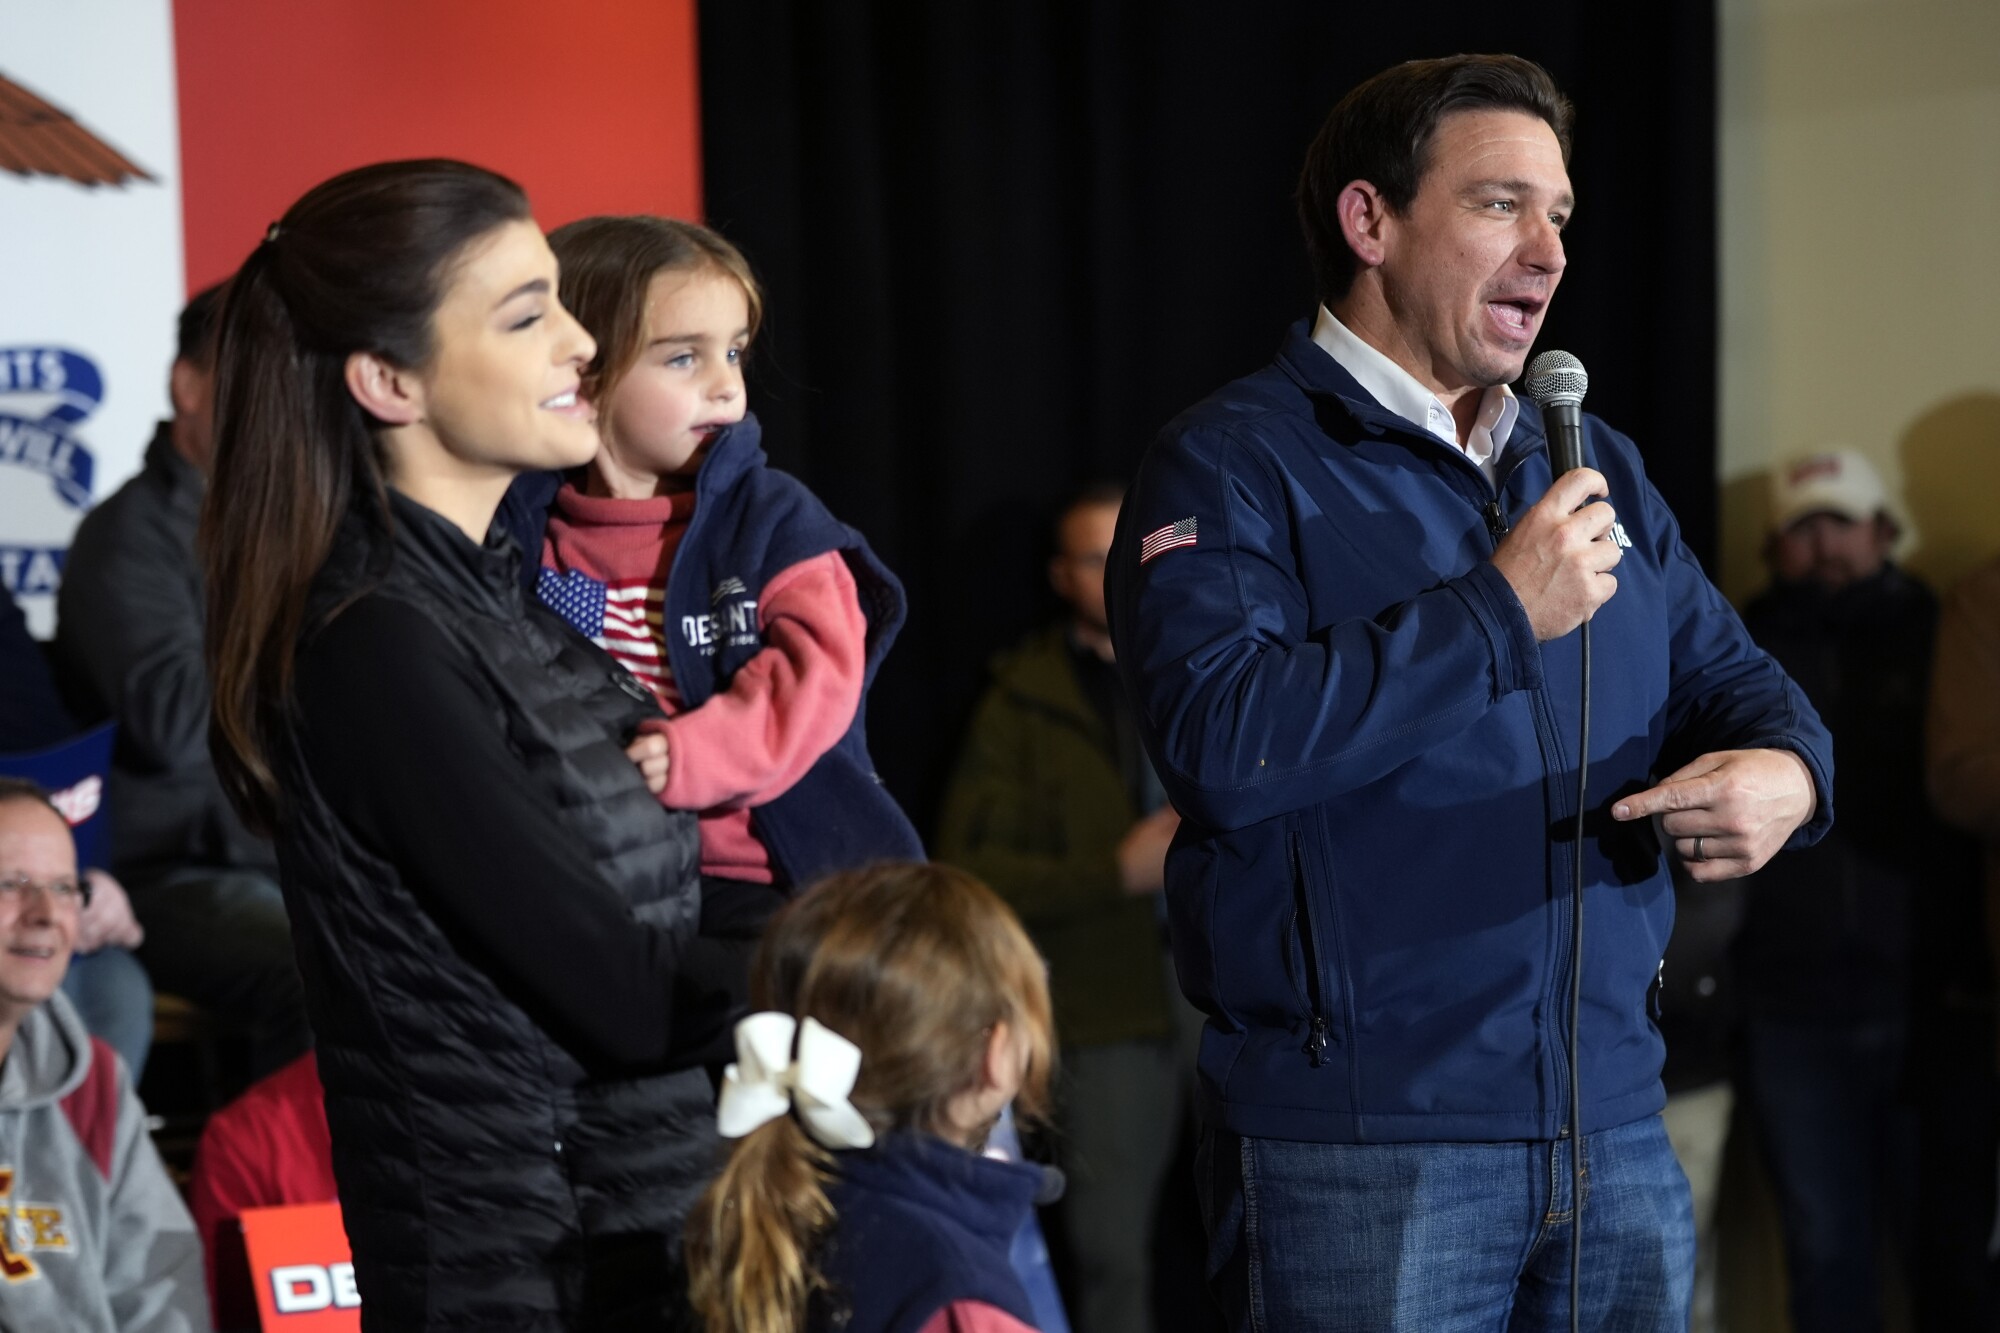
(302, 1269)
(75, 774)
(90, 209)
(46, 393)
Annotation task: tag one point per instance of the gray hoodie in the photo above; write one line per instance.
(93, 1236)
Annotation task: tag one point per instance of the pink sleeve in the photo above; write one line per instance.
(974, 1317)
(786, 706)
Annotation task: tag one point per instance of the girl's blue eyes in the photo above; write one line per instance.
(685, 360)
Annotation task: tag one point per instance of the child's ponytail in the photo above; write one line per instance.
(750, 1238)
(914, 963)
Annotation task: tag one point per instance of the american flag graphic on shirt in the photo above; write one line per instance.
(1166, 539)
(626, 618)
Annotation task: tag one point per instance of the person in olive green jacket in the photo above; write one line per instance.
(1054, 803)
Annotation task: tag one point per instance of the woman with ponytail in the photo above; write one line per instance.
(496, 923)
(904, 1009)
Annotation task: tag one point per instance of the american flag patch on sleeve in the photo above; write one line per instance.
(1166, 539)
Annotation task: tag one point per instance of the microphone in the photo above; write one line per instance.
(1556, 381)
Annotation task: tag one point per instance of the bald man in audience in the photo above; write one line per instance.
(93, 1236)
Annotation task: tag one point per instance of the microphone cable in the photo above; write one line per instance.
(1576, 1003)
(1557, 382)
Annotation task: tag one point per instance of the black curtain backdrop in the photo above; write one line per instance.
(1004, 244)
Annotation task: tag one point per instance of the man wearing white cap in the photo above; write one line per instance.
(1832, 522)
(1825, 957)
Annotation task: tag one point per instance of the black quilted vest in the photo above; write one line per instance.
(488, 1179)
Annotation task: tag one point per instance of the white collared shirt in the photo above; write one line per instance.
(1398, 390)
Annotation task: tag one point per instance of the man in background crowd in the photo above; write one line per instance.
(1830, 933)
(93, 1236)
(1055, 805)
(129, 639)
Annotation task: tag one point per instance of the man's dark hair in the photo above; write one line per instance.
(197, 326)
(1103, 491)
(1381, 133)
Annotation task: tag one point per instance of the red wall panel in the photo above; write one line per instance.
(593, 107)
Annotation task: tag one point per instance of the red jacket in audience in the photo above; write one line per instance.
(268, 1147)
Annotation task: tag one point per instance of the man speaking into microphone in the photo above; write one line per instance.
(1346, 596)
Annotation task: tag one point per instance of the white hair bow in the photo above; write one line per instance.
(766, 1081)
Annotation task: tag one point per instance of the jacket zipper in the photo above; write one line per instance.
(1560, 992)
(1496, 527)
(1320, 1037)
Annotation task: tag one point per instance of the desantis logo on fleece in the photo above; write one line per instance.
(45, 394)
(731, 621)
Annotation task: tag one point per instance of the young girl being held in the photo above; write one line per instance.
(904, 1009)
(755, 616)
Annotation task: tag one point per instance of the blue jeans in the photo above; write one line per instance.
(1446, 1237)
(115, 1000)
(1824, 1098)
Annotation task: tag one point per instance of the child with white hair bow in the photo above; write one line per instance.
(904, 1009)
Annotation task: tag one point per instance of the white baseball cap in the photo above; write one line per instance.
(1838, 481)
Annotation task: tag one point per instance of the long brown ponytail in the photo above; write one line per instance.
(359, 264)
(914, 963)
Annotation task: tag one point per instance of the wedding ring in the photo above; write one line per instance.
(1698, 854)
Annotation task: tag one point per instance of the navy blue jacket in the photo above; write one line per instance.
(1376, 765)
(919, 1224)
(750, 523)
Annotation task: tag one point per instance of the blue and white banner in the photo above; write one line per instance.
(91, 267)
(76, 775)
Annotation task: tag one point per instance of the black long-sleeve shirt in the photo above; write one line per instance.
(421, 772)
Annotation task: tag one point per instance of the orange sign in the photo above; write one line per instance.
(300, 1265)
